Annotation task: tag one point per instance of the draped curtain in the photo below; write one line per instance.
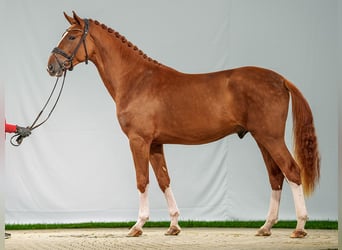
(78, 167)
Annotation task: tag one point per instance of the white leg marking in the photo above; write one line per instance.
(171, 203)
(144, 210)
(272, 216)
(273, 211)
(299, 202)
(174, 228)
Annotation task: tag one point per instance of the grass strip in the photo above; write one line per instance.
(326, 224)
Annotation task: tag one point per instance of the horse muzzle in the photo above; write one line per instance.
(54, 70)
(56, 67)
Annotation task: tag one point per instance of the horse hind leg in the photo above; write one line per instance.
(282, 157)
(298, 197)
(158, 163)
(276, 178)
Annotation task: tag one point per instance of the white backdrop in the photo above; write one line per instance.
(78, 167)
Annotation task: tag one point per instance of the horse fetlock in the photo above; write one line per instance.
(273, 221)
(174, 214)
(303, 217)
(269, 224)
(174, 219)
(144, 218)
(301, 220)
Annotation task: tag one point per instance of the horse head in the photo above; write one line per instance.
(68, 53)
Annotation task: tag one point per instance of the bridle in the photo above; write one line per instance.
(69, 58)
(17, 138)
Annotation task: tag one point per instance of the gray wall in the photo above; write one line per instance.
(78, 167)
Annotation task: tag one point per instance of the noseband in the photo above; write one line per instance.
(69, 58)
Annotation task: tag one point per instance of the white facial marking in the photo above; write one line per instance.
(64, 35)
(67, 32)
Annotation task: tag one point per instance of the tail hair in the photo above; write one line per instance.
(305, 143)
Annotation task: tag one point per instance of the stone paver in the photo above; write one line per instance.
(153, 238)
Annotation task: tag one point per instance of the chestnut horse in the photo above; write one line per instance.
(158, 105)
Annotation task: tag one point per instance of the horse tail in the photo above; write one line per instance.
(304, 140)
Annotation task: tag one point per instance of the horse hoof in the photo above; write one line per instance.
(298, 234)
(173, 231)
(134, 232)
(263, 232)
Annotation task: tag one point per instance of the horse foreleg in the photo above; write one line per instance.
(144, 212)
(140, 152)
(174, 228)
(158, 163)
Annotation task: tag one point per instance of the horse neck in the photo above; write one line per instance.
(119, 63)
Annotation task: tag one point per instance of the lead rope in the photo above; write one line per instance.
(18, 138)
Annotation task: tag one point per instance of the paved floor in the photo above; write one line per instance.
(153, 238)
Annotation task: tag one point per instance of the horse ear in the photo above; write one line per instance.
(69, 18)
(76, 17)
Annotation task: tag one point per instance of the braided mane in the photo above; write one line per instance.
(117, 35)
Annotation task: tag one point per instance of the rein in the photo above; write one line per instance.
(18, 138)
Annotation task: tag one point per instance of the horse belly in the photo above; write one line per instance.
(193, 137)
(195, 130)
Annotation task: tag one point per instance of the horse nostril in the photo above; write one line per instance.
(50, 67)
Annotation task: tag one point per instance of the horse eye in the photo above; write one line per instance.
(71, 38)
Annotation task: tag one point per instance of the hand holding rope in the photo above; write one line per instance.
(20, 134)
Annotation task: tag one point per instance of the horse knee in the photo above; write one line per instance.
(164, 183)
(159, 166)
(163, 187)
(141, 185)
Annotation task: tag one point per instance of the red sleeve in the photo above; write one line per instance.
(10, 128)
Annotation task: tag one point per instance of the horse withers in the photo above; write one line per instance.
(158, 105)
